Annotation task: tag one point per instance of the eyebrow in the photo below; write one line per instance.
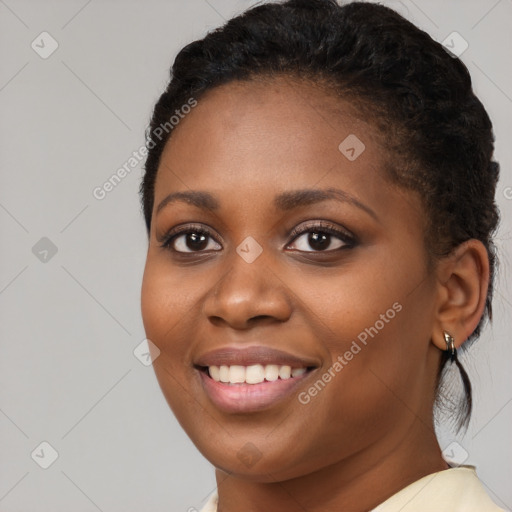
(197, 198)
(305, 197)
(284, 201)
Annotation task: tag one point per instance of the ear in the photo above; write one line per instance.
(462, 283)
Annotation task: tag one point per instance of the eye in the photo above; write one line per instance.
(320, 237)
(190, 239)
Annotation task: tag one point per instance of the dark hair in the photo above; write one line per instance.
(438, 136)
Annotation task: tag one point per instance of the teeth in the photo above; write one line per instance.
(236, 374)
(297, 372)
(224, 373)
(214, 373)
(254, 374)
(285, 372)
(271, 372)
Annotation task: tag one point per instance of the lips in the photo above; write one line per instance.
(254, 355)
(251, 379)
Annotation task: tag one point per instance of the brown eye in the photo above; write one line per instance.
(317, 241)
(320, 237)
(190, 240)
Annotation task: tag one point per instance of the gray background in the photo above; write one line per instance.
(70, 321)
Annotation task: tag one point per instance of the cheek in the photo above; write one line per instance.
(164, 299)
(361, 301)
(169, 313)
(375, 321)
(376, 295)
(169, 309)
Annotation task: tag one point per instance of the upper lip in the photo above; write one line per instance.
(253, 355)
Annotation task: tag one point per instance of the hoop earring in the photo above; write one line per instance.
(450, 346)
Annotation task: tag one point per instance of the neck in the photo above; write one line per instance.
(358, 483)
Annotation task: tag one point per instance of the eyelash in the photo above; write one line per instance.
(183, 230)
(319, 227)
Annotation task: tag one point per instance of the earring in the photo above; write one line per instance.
(450, 346)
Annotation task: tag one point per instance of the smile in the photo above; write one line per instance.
(250, 379)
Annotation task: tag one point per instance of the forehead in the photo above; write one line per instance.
(265, 131)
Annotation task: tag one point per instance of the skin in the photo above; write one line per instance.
(369, 432)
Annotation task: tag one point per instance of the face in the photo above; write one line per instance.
(286, 284)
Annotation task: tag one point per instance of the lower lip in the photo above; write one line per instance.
(240, 398)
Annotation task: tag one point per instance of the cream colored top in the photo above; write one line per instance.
(451, 490)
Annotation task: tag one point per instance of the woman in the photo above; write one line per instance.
(319, 199)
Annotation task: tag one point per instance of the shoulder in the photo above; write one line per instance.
(452, 490)
(211, 504)
(455, 490)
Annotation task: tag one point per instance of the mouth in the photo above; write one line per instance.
(252, 379)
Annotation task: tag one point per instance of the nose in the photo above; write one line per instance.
(248, 293)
